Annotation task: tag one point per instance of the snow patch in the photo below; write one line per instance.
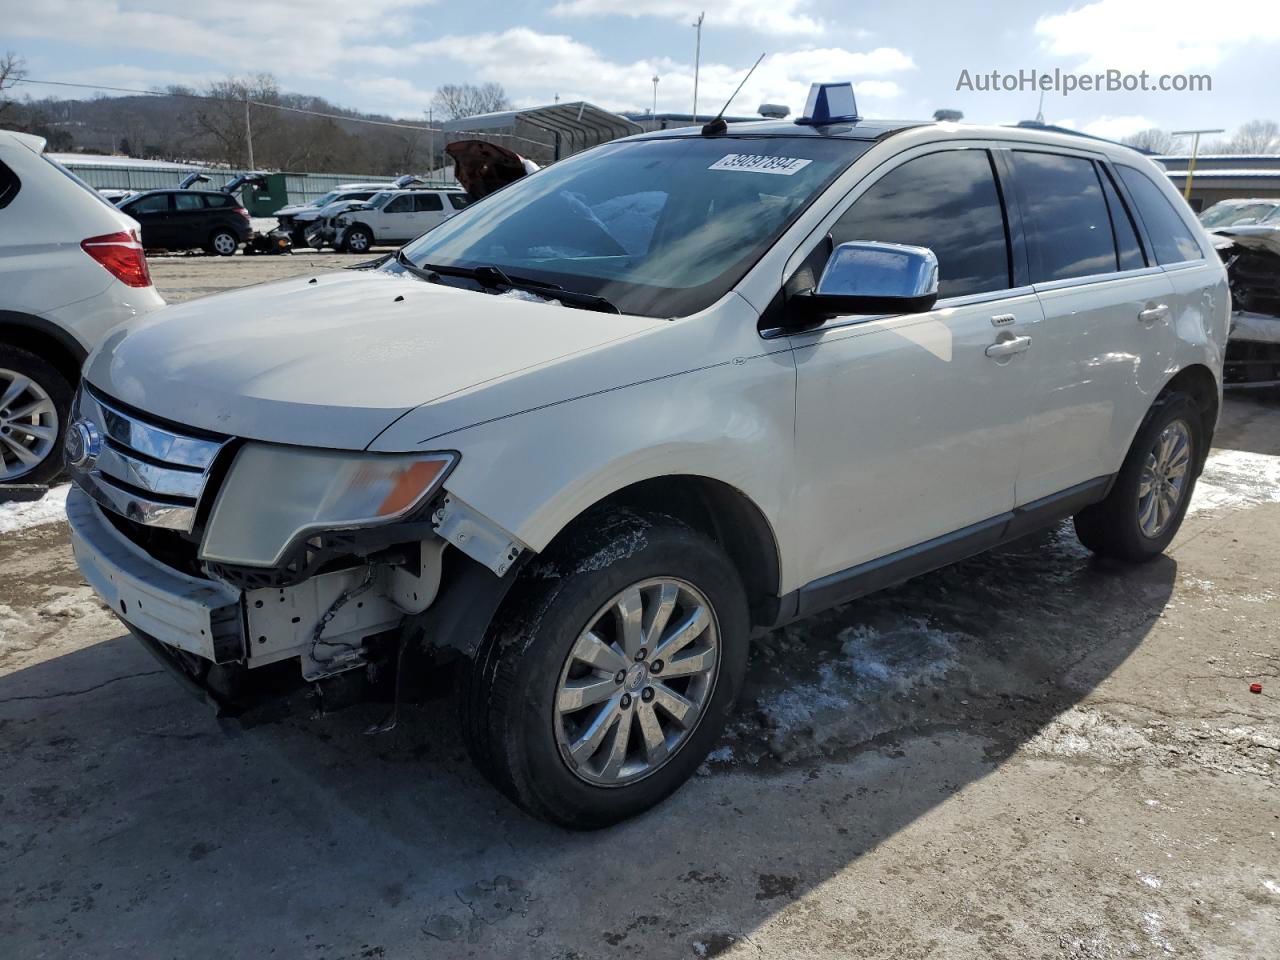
(721, 755)
(1155, 883)
(1272, 886)
(527, 297)
(21, 516)
(1235, 479)
(874, 665)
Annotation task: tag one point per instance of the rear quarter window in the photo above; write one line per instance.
(9, 185)
(1170, 238)
(219, 200)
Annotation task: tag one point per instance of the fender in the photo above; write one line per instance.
(12, 319)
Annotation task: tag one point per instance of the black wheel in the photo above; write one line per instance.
(223, 243)
(35, 402)
(1146, 504)
(357, 240)
(610, 672)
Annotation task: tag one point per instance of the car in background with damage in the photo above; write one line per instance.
(1251, 252)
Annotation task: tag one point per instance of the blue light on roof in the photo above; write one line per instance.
(829, 103)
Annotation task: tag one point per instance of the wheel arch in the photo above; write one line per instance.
(47, 340)
(1198, 382)
(719, 511)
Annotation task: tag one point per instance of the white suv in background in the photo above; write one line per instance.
(392, 217)
(71, 268)
(588, 434)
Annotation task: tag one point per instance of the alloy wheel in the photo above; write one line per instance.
(28, 425)
(224, 244)
(1164, 478)
(636, 682)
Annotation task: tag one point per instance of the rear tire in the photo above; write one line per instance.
(520, 718)
(223, 243)
(35, 405)
(1145, 507)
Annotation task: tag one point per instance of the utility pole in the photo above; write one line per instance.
(1195, 151)
(655, 102)
(431, 148)
(697, 62)
(248, 130)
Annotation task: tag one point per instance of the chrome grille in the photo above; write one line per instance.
(150, 474)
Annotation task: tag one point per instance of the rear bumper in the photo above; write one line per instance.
(200, 617)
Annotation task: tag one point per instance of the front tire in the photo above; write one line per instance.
(1149, 498)
(35, 403)
(357, 240)
(610, 672)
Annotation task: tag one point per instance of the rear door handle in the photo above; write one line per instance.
(1152, 314)
(1007, 348)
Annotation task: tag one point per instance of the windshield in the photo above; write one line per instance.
(327, 198)
(1226, 214)
(658, 227)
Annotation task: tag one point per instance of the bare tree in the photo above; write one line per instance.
(1256, 136)
(12, 69)
(222, 116)
(455, 100)
(1156, 140)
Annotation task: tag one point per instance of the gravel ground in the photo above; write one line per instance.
(1032, 754)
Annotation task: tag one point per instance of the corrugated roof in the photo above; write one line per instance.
(582, 124)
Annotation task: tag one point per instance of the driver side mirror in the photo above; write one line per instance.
(870, 277)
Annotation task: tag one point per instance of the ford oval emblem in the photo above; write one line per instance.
(82, 446)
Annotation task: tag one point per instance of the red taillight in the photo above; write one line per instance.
(243, 212)
(121, 253)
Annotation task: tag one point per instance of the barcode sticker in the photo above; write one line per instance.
(753, 163)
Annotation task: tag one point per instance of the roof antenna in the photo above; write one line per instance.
(718, 126)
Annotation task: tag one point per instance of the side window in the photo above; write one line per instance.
(186, 202)
(400, 204)
(9, 185)
(156, 203)
(1172, 241)
(1064, 215)
(428, 202)
(458, 200)
(1128, 249)
(221, 200)
(945, 201)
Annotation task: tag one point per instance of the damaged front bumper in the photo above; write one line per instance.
(1253, 352)
(215, 635)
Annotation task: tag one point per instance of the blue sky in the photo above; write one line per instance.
(904, 57)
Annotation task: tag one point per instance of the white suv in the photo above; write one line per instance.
(595, 429)
(391, 218)
(71, 268)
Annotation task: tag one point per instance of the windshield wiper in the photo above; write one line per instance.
(491, 278)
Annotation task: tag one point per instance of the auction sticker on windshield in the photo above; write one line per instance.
(753, 163)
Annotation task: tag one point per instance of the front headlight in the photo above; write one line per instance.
(274, 495)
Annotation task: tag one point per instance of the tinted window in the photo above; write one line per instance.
(428, 202)
(219, 200)
(458, 200)
(703, 209)
(155, 203)
(1128, 249)
(946, 202)
(188, 201)
(401, 204)
(1064, 215)
(8, 185)
(1172, 241)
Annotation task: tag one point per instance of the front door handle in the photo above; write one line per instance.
(1150, 315)
(1007, 348)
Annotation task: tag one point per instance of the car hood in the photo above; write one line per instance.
(1254, 236)
(333, 360)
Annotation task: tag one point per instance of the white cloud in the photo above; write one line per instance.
(1117, 128)
(534, 67)
(239, 35)
(1175, 36)
(783, 17)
